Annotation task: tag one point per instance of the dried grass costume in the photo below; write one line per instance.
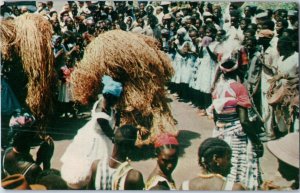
(29, 38)
(136, 62)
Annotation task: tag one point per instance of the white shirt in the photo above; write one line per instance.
(289, 65)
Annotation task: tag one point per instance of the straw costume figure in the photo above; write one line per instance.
(26, 43)
(136, 62)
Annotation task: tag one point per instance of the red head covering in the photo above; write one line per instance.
(165, 139)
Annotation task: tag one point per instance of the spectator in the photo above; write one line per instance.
(270, 55)
(116, 173)
(286, 150)
(214, 159)
(17, 159)
(166, 148)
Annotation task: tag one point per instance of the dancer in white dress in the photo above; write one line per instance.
(94, 140)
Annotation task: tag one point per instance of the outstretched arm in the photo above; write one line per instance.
(212, 55)
(106, 128)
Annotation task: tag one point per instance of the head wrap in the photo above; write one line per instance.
(111, 87)
(207, 14)
(181, 31)
(266, 33)
(261, 15)
(21, 119)
(165, 139)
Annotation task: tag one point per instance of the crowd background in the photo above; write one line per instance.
(198, 37)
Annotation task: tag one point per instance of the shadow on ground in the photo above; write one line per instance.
(143, 153)
(66, 128)
(184, 139)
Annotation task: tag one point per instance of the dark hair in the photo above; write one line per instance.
(251, 31)
(209, 148)
(284, 22)
(21, 136)
(247, 20)
(229, 64)
(285, 42)
(253, 26)
(129, 135)
(235, 13)
(52, 180)
(269, 24)
(110, 97)
(253, 40)
(193, 30)
(223, 32)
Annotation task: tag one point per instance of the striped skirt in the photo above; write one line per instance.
(245, 165)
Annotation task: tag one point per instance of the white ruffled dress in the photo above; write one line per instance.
(89, 144)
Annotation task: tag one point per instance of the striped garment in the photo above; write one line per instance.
(245, 165)
(108, 178)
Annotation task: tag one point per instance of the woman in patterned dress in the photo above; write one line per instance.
(230, 104)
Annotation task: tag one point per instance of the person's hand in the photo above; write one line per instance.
(75, 48)
(45, 152)
(258, 148)
(143, 131)
(268, 185)
(206, 41)
(60, 52)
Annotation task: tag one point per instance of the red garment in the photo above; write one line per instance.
(243, 57)
(165, 139)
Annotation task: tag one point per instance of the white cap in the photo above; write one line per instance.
(261, 15)
(207, 14)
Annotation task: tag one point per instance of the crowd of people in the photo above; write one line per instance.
(236, 64)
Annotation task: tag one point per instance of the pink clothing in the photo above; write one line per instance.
(241, 94)
(230, 94)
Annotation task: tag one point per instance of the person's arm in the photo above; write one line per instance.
(200, 52)
(106, 128)
(74, 49)
(33, 173)
(91, 184)
(247, 126)
(212, 55)
(134, 181)
(59, 53)
(45, 153)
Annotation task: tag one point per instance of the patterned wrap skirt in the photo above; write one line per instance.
(245, 164)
